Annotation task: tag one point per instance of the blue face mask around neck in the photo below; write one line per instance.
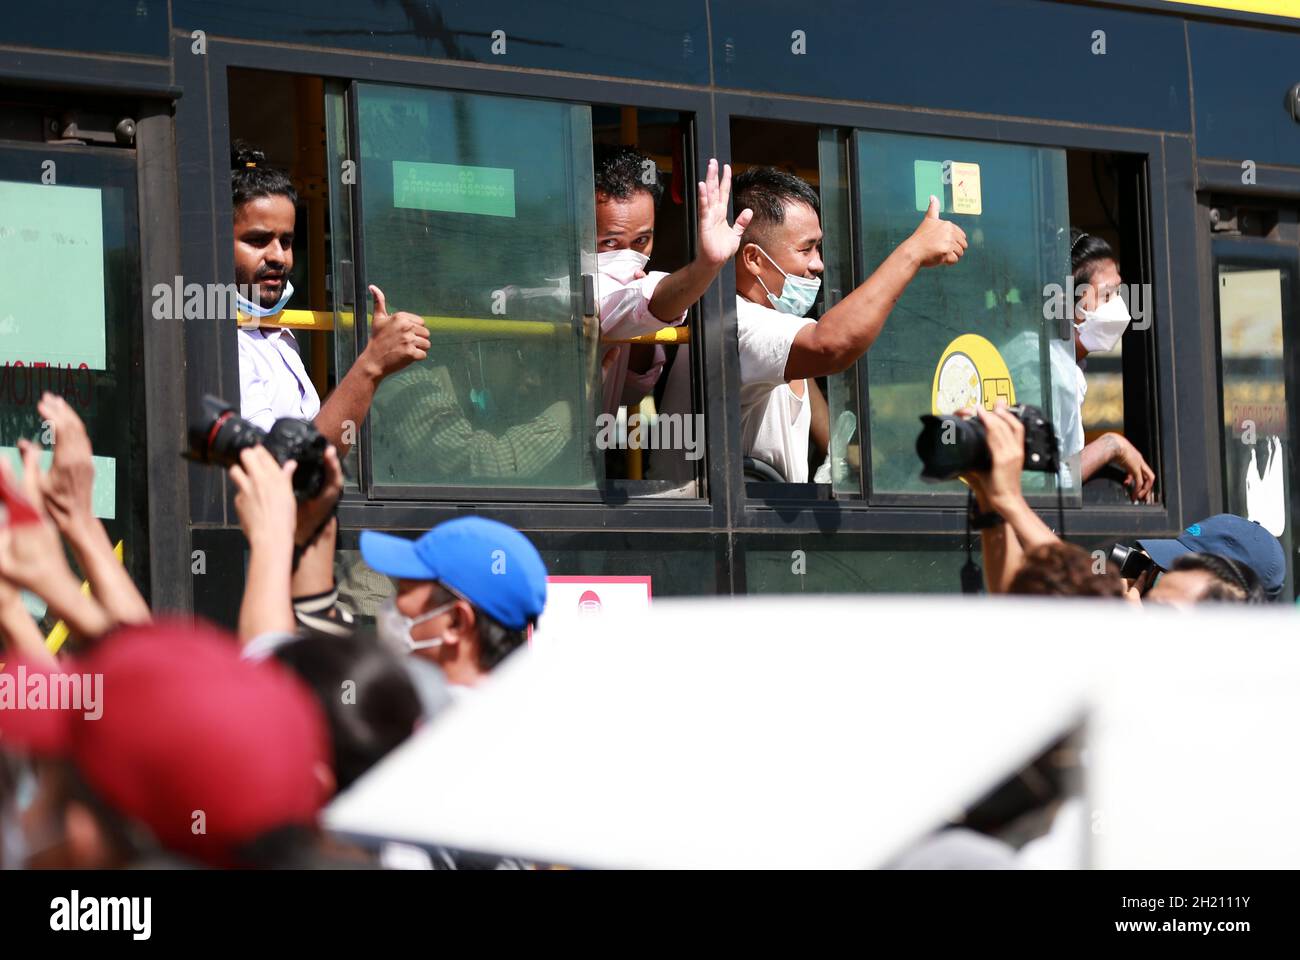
(252, 309)
(798, 294)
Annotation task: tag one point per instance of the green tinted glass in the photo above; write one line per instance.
(1012, 202)
(478, 213)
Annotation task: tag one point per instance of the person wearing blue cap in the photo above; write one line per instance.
(1231, 537)
(467, 592)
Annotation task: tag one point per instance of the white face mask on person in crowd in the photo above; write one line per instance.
(621, 265)
(797, 295)
(394, 627)
(1102, 328)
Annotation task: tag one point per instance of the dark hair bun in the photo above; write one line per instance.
(251, 177)
(242, 155)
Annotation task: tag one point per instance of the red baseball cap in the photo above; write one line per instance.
(204, 748)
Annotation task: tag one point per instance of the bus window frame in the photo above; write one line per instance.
(209, 137)
(801, 507)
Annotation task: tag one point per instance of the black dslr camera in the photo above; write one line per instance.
(219, 434)
(951, 445)
(1132, 561)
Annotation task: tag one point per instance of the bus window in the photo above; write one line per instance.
(477, 214)
(976, 332)
(1256, 296)
(284, 116)
(822, 445)
(651, 391)
(1116, 360)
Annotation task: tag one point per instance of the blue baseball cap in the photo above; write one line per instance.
(1229, 536)
(490, 564)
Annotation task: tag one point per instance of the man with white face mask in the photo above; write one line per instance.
(633, 302)
(1100, 319)
(778, 278)
(467, 592)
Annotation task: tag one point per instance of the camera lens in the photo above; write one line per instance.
(950, 445)
(1131, 561)
(219, 433)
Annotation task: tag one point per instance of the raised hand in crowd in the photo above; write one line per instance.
(278, 526)
(31, 558)
(316, 532)
(997, 490)
(65, 492)
(268, 515)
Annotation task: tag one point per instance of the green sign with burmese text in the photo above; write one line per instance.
(453, 188)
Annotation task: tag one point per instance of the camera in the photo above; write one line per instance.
(951, 445)
(219, 434)
(1132, 561)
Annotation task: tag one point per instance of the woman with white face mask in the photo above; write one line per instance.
(1100, 319)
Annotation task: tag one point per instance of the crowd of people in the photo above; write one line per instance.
(208, 749)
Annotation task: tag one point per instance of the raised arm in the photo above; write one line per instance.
(66, 491)
(717, 242)
(268, 515)
(847, 330)
(998, 490)
(31, 558)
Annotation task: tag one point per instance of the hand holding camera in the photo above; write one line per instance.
(220, 435)
(1005, 438)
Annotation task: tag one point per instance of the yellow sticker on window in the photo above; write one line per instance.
(970, 372)
(966, 196)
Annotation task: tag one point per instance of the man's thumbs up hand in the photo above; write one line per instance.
(936, 241)
(396, 340)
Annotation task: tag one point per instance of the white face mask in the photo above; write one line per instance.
(1102, 328)
(621, 265)
(394, 627)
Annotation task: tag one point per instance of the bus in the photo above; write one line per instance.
(442, 150)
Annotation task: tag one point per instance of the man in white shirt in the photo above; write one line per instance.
(778, 272)
(272, 380)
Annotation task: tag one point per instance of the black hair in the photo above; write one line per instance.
(1086, 251)
(250, 178)
(1061, 569)
(367, 719)
(496, 641)
(1234, 581)
(622, 171)
(766, 191)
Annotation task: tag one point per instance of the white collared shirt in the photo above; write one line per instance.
(272, 380)
(625, 312)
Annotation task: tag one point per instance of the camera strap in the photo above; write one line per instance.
(1056, 476)
(972, 577)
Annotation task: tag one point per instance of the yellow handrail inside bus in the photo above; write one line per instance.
(323, 320)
